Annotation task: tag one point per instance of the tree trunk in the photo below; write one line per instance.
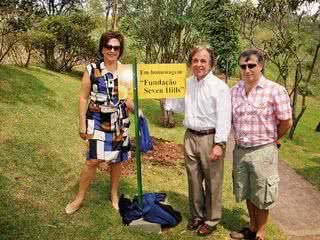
(167, 117)
(227, 71)
(296, 120)
(295, 93)
(114, 15)
(5, 53)
(26, 64)
(108, 10)
(49, 58)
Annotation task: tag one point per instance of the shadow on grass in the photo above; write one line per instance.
(232, 219)
(316, 160)
(32, 198)
(101, 186)
(311, 173)
(75, 74)
(32, 159)
(17, 218)
(18, 86)
(108, 222)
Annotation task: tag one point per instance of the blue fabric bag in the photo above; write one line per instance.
(145, 140)
(152, 211)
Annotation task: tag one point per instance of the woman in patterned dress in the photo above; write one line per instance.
(104, 119)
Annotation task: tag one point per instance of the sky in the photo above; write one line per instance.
(310, 8)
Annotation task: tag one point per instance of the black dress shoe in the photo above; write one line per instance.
(193, 224)
(206, 229)
(245, 233)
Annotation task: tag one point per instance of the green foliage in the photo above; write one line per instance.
(287, 37)
(95, 8)
(293, 45)
(14, 20)
(21, 22)
(65, 41)
(303, 152)
(56, 7)
(220, 24)
(163, 29)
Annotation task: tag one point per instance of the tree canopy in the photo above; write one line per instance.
(65, 41)
(291, 44)
(220, 25)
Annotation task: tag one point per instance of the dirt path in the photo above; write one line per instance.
(298, 210)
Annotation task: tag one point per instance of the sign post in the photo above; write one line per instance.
(137, 134)
(150, 81)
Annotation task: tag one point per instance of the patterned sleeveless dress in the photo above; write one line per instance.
(107, 117)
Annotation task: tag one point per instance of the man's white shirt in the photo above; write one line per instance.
(207, 105)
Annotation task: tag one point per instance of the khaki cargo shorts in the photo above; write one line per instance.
(255, 175)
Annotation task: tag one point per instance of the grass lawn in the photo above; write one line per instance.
(42, 155)
(303, 152)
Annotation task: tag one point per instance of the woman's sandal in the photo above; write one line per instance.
(71, 210)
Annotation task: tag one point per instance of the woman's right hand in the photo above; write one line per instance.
(84, 95)
(85, 136)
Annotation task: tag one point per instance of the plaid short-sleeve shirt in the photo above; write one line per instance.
(255, 117)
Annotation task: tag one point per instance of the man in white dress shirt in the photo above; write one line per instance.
(207, 107)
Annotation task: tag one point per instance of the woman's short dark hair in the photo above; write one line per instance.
(198, 49)
(105, 37)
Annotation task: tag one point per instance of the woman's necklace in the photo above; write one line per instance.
(109, 78)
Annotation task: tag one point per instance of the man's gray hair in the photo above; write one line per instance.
(198, 49)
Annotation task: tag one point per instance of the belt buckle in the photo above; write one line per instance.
(107, 109)
(207, 132)
(203, 132)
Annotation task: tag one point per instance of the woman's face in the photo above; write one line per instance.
(111, 50)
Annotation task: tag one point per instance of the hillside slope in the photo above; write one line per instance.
(41, 156)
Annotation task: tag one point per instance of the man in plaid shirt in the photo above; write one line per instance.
(261, 114)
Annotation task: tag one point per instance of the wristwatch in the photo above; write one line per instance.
(222, 145)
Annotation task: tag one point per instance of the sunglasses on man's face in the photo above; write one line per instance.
(110, 47)
(249, 65)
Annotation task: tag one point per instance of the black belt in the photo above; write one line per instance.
(202, 132)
